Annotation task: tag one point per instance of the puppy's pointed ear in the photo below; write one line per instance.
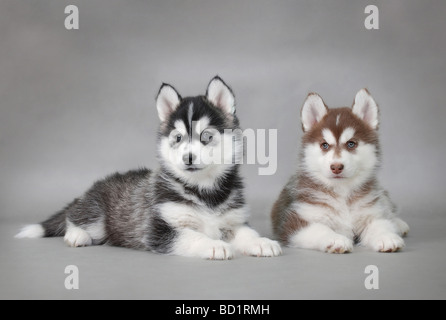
(313, 111)
(366, 108)
(167, 101)
(221, 95)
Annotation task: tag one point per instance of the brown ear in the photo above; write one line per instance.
(313, 110)
(366, 108)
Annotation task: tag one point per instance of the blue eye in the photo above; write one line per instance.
(351, 144)
(325, 146)
(178, 138)
(206, 137)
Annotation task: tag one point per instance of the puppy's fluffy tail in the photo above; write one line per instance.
(54, 226)
(31, 231)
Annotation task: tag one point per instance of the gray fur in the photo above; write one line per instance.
(123, 208)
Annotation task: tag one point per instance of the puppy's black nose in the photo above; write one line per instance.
(189, 158)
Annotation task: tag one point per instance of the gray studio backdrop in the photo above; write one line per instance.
(76, 105)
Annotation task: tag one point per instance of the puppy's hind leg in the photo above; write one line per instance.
(76, 236)
(86, 234)
(403, 227)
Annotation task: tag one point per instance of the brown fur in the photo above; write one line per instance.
(363, 132)
(301, 187)
(360, 193)
(283, 203)
(285, 221)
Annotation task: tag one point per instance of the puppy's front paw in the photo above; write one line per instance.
(402, 226)
(218, 250)
(388, 243)
(339, 244)
(262, 247)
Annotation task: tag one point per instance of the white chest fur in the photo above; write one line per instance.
(342, 213)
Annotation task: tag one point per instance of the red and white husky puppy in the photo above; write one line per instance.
(335, 200)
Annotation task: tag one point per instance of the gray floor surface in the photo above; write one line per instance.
(35, 269)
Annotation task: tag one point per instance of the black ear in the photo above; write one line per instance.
(221, 95)
(167, 101)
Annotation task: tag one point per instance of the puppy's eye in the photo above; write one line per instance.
(351, 144)
(325, 146)
(178, 138)
(206, 137)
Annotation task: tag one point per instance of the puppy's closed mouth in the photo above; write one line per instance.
(192, 169)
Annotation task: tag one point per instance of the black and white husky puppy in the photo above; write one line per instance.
(193, 205)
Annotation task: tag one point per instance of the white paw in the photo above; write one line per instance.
(77, 237)
(218, 250)
(402, 226)
(388, 243)
(261, 247)
(338, 244)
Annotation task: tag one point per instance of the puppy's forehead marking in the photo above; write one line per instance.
(190, 113)
(202, 124)
(180, 126)
(346, 135)
(337, 119)
(328, 136)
